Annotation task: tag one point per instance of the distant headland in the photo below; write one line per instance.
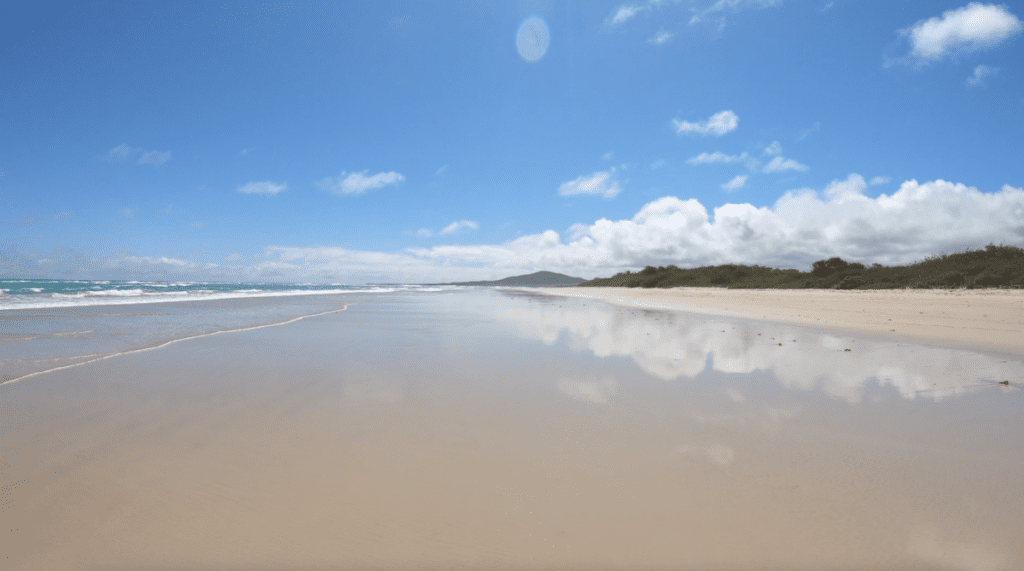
(536, 279)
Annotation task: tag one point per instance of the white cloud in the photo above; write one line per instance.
(441, 170)
(810, 131)
(600, 182)
(359, 182)
(718, 124)
(980, 73)
(61, 216)
(879, 180)
(974, 27)
(608, 156)
(459, 225)
(730, 5)
(916, 221)
(155, 158)
(424, 233)
(246, 151)
(716, 157)
(782, 164)
(662, 37)
(127, 212)
(124, 152)
(735, 183)
(773, 149)
(625, 13)
(119, 153)
(263, 187)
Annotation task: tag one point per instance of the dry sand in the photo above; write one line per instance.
(985, 319)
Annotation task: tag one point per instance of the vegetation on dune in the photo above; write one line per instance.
(995, 266)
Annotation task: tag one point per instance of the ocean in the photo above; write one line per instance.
(52, 293)
(48, 324)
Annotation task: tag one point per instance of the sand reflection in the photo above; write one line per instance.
(672, 346)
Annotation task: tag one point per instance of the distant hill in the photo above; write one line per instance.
(536, 279)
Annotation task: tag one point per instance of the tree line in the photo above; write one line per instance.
(991, 267)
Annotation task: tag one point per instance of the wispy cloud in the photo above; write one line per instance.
(810, 131)
(458, 226)
(980, 73)
(662, 37)
(155, 158)
(441, 170)
(123, 152)
(716, 157)
(625, 13)
(735, 183)
(359, 182)
(120, 153)
(879, 180)
(127, 212)
(61, 216)
(718, 124)
(970, 28)
(782, 164)
(601, 182)
(714, 11)
(266, 187)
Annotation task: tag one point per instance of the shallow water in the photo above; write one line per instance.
(490, 429)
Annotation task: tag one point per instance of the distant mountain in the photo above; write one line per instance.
(536, 279)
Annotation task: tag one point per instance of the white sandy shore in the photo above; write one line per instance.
(990, 319)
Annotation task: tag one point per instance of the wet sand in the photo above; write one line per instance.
(988, 318)
(480, 430)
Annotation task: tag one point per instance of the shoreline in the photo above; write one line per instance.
(988, 319)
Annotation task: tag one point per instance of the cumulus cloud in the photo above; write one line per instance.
(735, 183)
(662, 37)
(459, 225)
(916, 221)
(263, 187)
(970, 28)
(716, 157)
(980, 73)
(803, 226)
(359, 182)
(600, 182)
(717, 125)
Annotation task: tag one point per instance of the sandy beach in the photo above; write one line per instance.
(500, 429)
(981, 318)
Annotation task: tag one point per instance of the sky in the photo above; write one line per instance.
(379, 141)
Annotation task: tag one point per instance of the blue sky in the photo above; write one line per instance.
(400, 141)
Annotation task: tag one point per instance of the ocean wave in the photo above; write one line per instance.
(138, 296)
